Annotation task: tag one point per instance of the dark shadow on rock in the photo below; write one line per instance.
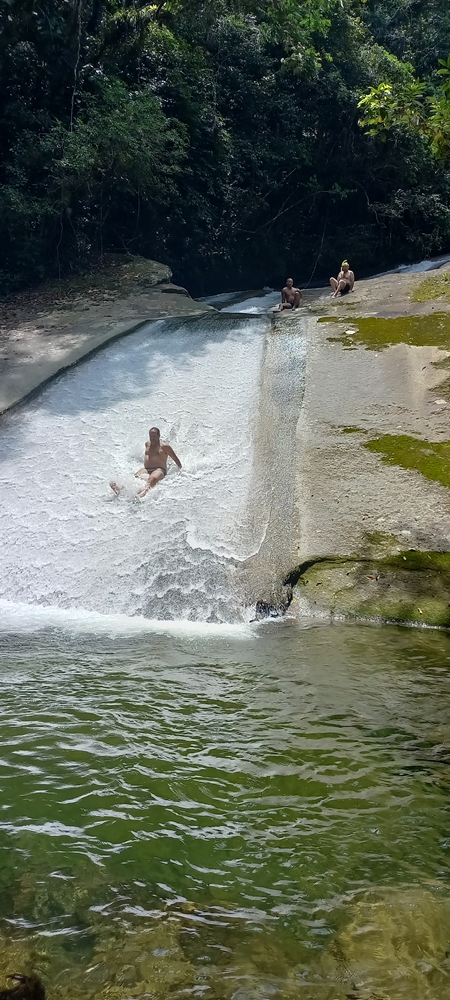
(25, 988)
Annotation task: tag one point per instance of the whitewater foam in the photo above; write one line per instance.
(68, 542)
(20, 618)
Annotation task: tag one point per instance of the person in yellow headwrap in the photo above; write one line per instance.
(344, 281)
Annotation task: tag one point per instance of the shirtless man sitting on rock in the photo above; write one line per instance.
(290, 296)
(344, 281)
(155, 463)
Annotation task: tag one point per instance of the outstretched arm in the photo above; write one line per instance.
(169, 451)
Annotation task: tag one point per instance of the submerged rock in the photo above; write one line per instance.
(394, 947)
(25, 988)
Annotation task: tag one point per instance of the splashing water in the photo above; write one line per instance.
(68, 542)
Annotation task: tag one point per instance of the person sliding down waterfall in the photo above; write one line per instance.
(344, 281)
(155, 463)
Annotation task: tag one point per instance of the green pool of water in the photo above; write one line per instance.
(259, 814)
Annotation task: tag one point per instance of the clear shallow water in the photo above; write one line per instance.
(250, 813)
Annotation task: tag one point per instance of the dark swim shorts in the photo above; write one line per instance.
(346, 290)
(158, 469)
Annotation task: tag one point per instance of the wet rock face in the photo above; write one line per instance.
(395, 946)
(276, 605)
(410, 587)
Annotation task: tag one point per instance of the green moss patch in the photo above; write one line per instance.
(376, 333)
(409, 587)
(435, 287)
(418, 562)
(430, 458)
(381, 541)
(444, 387)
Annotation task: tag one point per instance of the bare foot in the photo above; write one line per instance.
(117, 489)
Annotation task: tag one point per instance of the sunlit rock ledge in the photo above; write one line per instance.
(47, 329)
(372, 511)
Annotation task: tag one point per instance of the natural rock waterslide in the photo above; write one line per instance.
(365, 532)
(209, 543)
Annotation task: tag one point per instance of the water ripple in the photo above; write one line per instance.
(244, 806)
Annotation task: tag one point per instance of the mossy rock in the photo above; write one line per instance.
(113, 276)
(395, 945)
(119, 274)
(376, 333)
(437, 286)
(409, 587)
(430, 458)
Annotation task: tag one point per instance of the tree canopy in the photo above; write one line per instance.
(235, 140)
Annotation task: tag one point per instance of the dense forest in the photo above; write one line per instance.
(235, 140)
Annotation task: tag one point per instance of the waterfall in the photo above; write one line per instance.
(68, 542)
